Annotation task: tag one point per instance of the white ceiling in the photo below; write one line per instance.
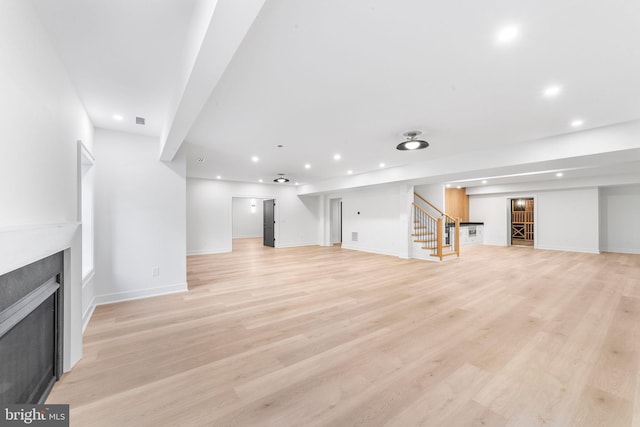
(330, 77)
(123, 56)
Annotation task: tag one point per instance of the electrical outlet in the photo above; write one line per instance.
(155, 271)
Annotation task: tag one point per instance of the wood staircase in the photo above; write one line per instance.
(435, 229)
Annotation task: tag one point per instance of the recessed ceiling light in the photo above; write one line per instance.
(255, 159)
(297, 183)
(382, 165)
(201, 159)
(559, 174)
(484, 181)
(552, 91)
(448, 185)
(218, 177)
(337, 157)
(307, 166)
(507, 34)
(349, 172)
(260, 180)
(117, 117)
(458, 187)
(577, 123)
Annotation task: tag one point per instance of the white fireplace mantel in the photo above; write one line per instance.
(20, 246)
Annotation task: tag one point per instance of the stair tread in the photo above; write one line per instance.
(435, 247)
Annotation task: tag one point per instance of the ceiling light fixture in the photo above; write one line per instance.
(260, 180)
(337, 157)
(559, 174)
(577, 123)
(412, 143)
(349, 172)
(218, 177)
(484, 181)
(281, 179)
(117, 117)
(552, 91)
(382, 165)
(255, 159)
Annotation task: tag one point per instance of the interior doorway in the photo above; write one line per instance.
(268, 223)
(335, 206)
(247, 219)
(522, 221)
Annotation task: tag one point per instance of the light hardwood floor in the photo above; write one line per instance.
(323, 336)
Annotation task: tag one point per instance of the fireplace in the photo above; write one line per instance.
(31, 316)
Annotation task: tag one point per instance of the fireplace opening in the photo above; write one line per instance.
(31, 330)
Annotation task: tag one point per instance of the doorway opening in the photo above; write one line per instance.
(247, 220)
(268, 223)
(335, 221)
(522, 222)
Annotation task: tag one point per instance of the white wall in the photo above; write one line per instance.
(493, 211)
(619, 225)
(564, 220)
(140, 218)
(247, 219)
(569, 220)
(434, 193)
(42, 120)
(209, 214)
(379, 216)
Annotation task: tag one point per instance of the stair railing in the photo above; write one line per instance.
(441, 232)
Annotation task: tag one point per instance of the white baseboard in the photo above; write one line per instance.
(370, 250)
(633, 251)
(209, 251)
(86, 316)
(568, 249)
(295, 245)
(141, 293)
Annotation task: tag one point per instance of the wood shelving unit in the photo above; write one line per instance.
(522, 221)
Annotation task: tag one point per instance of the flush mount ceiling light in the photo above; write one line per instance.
(281, 179)
(412, 143)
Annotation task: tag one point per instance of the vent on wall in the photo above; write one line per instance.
(354, 236)
(140, 121)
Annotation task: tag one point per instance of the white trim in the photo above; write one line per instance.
(632, 251)
(88, 278)
(567, 249)
(86, 316)
(139, 294)
(85, 155)
(370, 250)
(296, 245)
(209, 251)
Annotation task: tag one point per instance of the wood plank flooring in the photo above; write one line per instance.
(324, 336)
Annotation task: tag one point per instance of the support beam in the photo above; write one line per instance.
(229, 22)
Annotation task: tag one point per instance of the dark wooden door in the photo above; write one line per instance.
(268, 231)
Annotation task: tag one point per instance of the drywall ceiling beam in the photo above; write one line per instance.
(230, 21)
